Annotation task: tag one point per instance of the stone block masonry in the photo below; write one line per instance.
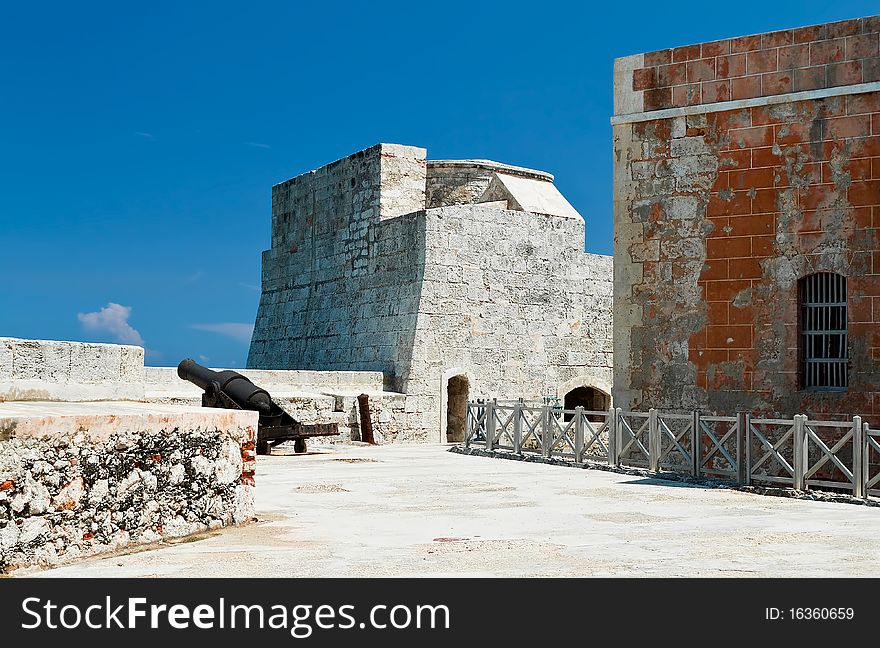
(726, 199)
(60, 371)
(308, 396)
(77, 479)
(452, 277)
(69, 371)
(328, 271)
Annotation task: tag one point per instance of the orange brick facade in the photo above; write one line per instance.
(719, 213)
(810, 170)
(792, 60)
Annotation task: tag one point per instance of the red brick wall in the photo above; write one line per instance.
(792, 60)
(797, 188)
(721, 211)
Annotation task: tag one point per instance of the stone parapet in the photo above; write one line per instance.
(53, 370)
(78, 479)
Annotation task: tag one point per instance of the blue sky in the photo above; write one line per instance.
(140, 140)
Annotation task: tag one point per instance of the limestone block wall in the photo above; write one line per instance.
(308, 396)
(510, 301)
(164, 380)
(768, 171)
(51, 370)
(82, 479)
(428, 270)
(339, 248)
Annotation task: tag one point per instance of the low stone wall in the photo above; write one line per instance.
(52, 370)
(309, 397)
(161, 380)
(82, 479)
(387, 416)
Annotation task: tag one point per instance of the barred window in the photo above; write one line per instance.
(823, 330)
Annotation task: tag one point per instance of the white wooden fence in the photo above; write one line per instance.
(799, 453)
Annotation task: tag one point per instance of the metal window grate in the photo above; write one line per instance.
(823, 332)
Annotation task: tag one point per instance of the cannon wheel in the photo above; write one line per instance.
(263, 448)
(299, 445)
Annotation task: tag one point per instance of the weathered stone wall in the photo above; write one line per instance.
(307, 403)
(339, 252)
(161, 380)
(511, 301)
(51, 370)
(720, 209)
(77, 484)
(463, 182)
(500, 291)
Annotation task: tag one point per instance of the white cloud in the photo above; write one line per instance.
(148, 136)
(112, 319)
(257, 145)
(237, 331)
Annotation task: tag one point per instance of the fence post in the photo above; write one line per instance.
(696, 444)
(743, 422)
(517, 427)
(611, 428)
(468, 424)
(653, 441)
(859, 437)
(747, 438)
(866, 454)
(490, 424)
(618, 436)
(546, 434)
(800, 444)
(579, 434)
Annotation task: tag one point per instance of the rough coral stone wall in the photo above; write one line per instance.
(67, 494)
(718, 214)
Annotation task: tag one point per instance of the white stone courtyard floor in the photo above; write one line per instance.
(408, 510)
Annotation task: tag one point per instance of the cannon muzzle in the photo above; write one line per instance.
(239, 389)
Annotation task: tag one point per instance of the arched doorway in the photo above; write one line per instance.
(457, 389)
(589, 398)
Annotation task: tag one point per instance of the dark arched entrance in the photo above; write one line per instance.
(456, 408)
(589, 398)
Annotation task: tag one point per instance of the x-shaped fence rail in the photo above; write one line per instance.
(796, 452)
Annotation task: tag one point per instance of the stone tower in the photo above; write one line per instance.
(456, 279)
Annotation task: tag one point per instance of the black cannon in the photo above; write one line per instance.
(230, 390)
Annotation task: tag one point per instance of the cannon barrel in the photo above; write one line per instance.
(239, 389)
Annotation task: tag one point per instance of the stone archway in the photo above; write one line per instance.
(457, 391)
(589, 398)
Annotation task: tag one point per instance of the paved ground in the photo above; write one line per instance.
(422, 511)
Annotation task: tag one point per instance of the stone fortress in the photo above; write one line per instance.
(455, 278)
(418, 284)
(742, 167)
